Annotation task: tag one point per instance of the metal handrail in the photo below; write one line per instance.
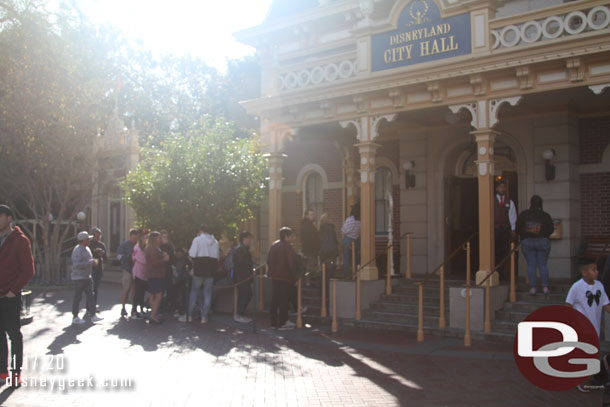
(394, 241)
(502, 263)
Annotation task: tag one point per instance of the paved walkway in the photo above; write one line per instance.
(225, 364)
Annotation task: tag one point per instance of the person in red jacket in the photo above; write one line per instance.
(281, 267)
(16, 270)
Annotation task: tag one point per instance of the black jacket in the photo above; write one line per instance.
(534, 223)
(242, 263)
(310, 242)
(328, 241)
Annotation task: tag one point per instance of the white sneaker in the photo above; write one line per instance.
(242, 319)
(204, 320)
(95, 318)
(183, 318)
(78, 321)
(288, 325)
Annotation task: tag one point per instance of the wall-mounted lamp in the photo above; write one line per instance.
(549, 168)
(409, 177)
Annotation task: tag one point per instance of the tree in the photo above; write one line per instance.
(211, 175)
(52, 87)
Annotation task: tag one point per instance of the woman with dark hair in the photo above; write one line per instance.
(534, 227)
(156, 260)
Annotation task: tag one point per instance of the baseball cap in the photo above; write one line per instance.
(83, 235)
(4, 209)
(96, 230)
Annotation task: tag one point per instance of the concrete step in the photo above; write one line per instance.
(407, 308)
(430, 330)
(411, 299)
(401, 318)
(506, 327)
(511, 316)
(526, 306)
(549, 299)
(414, 290)
(554, 289)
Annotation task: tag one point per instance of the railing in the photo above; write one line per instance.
(256, 276)
(486, 280)
(356, 274)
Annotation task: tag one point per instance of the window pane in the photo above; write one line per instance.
(314, 194)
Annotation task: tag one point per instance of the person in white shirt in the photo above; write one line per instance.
(588, 297)
(351, 234)
(505, 224)
(205, 253)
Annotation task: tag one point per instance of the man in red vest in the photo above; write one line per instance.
(16, 270)
(505, 223)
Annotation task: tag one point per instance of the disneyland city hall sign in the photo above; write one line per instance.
(422, 35)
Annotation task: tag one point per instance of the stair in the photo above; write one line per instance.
(399, 311)
(511, 314)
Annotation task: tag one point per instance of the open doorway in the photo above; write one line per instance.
(462, 203)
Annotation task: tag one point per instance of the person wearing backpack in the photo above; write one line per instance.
(535, 226)
(242, 266)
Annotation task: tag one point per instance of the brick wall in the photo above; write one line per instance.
(595, 204)
(594, 138)
(301, 152)
(595, 187)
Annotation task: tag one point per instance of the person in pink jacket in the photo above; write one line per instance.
(139, 276)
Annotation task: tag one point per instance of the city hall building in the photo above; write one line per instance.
(425, 103)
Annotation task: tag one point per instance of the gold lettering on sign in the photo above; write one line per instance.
(438, 46)
(420, 33)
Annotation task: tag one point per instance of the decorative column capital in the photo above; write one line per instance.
(598, 89)
(485, 112)
(367, 127)
(275, 170)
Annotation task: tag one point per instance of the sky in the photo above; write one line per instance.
(203, 28)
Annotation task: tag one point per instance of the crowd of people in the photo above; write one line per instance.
(158, 277)
(174, 279)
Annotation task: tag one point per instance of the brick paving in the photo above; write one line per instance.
(226, 364)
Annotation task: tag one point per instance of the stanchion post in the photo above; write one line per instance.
(335, 325)
(299, 305)
(234, 300)
(323, 312)
(353, 260)
(513, 294)
(420, 318)
(441, 319)
(358, 289)
(487, 306)
(408, 274)
(260, 292)
(467, 338)
(388, 286)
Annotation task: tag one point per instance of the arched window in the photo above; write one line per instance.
(383, 187)
(314, 194)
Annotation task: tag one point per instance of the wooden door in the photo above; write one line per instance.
(461, 221)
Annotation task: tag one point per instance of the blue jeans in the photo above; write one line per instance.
(346, 248)
(536, 252)
(201, 291)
